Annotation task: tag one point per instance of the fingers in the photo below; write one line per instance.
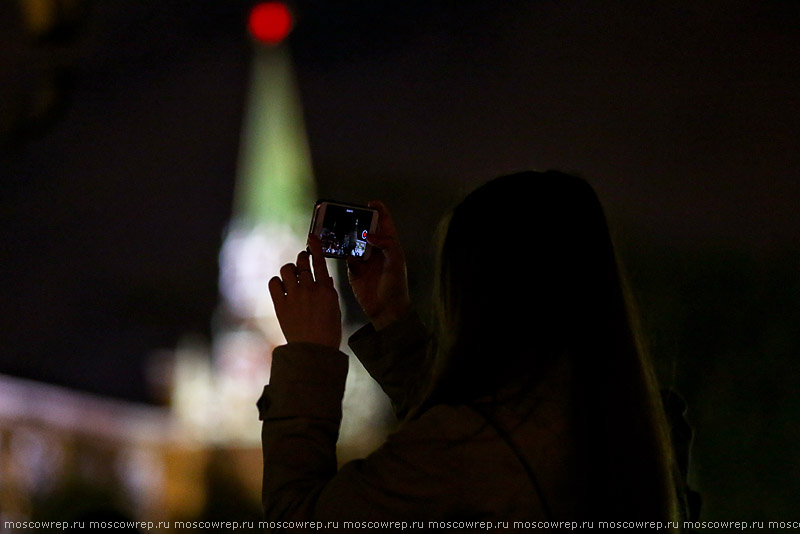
(385, 222)
(320, 267)
(388, 245)
(354, 266)
(293, 276)
(289, 278)
(307, 312)
(381, 241)
(277, 292)
(304, 275)
(386, 238)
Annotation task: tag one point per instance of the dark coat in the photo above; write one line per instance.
(449, 464)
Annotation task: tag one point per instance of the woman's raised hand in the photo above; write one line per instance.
(306, 302)
(380, 284)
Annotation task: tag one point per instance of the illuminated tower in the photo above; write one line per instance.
(273, 198)
(273, 202)
(275, 189)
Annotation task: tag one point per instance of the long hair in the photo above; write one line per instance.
(527, 272)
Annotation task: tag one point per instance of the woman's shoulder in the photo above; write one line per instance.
(441, 424)
(457, 446)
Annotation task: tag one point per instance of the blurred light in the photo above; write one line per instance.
(270, 22)
(37, 456)
(248, 259)
(53, 20)
(142, 472)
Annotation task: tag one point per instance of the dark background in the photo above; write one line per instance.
(120, 136)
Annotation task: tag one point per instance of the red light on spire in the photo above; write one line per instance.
(270, 22)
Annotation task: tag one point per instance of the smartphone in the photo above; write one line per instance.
(343, 229)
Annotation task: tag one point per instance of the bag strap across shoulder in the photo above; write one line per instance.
(504, 435)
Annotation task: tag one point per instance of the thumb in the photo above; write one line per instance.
(354, 268)
(388, 245)
(380, 241)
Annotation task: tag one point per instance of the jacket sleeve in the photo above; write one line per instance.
(396, 357)
(301, 412)
(301, 409)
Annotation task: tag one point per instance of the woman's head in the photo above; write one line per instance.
(528, 274)
(526, 262)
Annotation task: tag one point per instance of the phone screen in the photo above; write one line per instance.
(343, 230)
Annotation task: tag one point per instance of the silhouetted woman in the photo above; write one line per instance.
(531, 401)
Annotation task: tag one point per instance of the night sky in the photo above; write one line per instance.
(685, 116)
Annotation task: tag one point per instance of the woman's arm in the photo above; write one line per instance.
(396, 357)
(302, 410)
(410, 477)
(393, 346)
